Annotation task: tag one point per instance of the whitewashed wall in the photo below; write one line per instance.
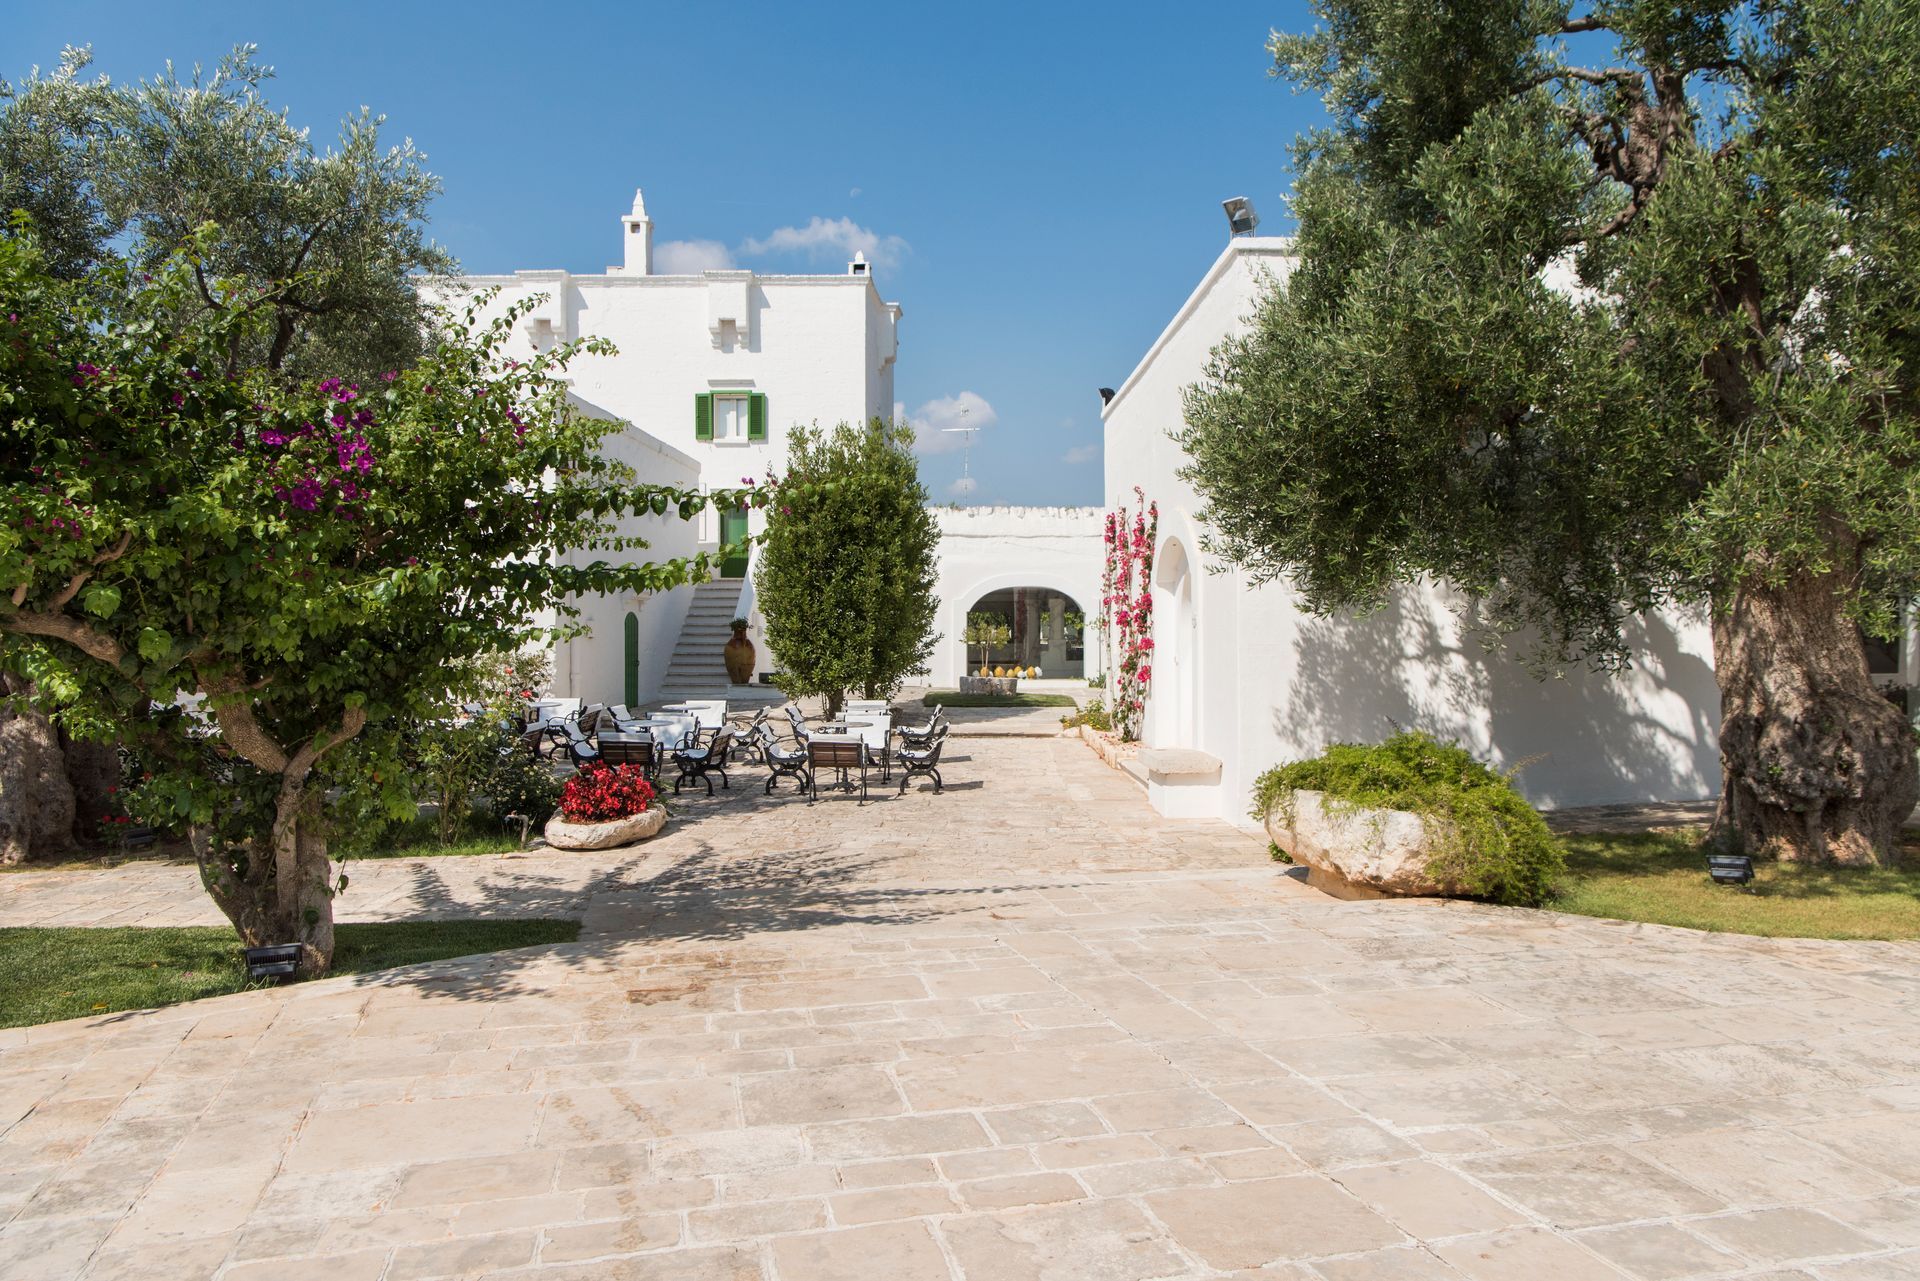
(1242, 673)
(985, 549)
(593, 667)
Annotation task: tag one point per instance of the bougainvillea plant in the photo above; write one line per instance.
(237, 574)
(1126, 610)
(600, 793)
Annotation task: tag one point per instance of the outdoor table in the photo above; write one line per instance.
(670, 732)
(863, 727)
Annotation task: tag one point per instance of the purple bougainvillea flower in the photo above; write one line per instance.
(389, 376)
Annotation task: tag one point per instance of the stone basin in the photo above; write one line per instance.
(563, 835)
(1358, 853)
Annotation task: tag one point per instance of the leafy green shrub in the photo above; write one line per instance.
(1095, 713)
(520, 783)
(1493, 844)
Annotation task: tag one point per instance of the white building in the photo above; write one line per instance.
(1244, 679)
(1036, 567)
(711, 373)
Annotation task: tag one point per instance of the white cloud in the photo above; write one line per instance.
(933, 422)
(1081, 454)
(829, 238)
(853, 193)
(962, 487)
(690, 257)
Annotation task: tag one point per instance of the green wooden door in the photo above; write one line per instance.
(733, 530)
(632, 659)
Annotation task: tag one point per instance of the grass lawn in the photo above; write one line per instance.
(1661, 877)
(68, 973)
(421, 839)
(954, 698)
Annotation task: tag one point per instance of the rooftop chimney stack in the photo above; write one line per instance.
(858, 267)
(636, 231)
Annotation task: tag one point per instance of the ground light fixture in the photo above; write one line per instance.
(275, 961)
(1730, 869)
(1240, 215)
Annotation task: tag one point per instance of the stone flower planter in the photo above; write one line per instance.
(989, 684)
(1358, 853)
(563, 835)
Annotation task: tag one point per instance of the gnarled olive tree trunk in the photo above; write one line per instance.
(53, 788)
(1819, 767)
(36, 799)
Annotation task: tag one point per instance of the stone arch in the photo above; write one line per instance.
(1084, 594)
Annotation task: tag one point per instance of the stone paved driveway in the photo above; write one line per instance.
(785, 1054)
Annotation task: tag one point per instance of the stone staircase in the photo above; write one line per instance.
(697, 668)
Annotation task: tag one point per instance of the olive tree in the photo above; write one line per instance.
(240, 574)
(1598, 307)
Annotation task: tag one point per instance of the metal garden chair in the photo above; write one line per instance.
(922, 760)
(699, 764)
(783, 761)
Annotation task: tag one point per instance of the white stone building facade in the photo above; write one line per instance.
(711, 373)
(1243, 678)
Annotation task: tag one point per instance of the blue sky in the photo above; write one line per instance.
(1042, 181)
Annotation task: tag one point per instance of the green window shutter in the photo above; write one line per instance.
(633, 659)
(757, 416)
(703, 416)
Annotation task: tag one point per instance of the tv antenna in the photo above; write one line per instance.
(966, 449)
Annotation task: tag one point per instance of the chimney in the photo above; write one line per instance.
(636, 233)
(858, 267)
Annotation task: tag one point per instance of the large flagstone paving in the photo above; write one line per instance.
(781, 1053)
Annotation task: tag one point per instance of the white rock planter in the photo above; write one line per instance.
(1358, 853)
(563, 835)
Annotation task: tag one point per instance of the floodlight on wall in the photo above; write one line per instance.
(1106, 395)
(1240, 215)
(1730, 869)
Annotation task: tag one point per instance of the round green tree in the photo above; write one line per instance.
(1600, 309)
(238, 574)
(847, 569)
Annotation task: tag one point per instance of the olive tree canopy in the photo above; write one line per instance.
(1597, 307)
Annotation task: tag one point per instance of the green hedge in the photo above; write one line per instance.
(1496, 846)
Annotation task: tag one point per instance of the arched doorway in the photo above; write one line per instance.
(1041, 627)
(1174, 693)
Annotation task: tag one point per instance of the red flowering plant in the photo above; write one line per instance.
(1126, 610)
(603, 793)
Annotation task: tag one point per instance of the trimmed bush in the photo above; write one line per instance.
(1493, 845)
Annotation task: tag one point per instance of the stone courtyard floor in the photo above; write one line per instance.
(1025, 1029)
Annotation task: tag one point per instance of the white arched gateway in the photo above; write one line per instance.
(1038, 568)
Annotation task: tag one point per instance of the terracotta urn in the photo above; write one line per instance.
(740, 655)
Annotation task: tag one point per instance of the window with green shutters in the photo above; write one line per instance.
(730, 416)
